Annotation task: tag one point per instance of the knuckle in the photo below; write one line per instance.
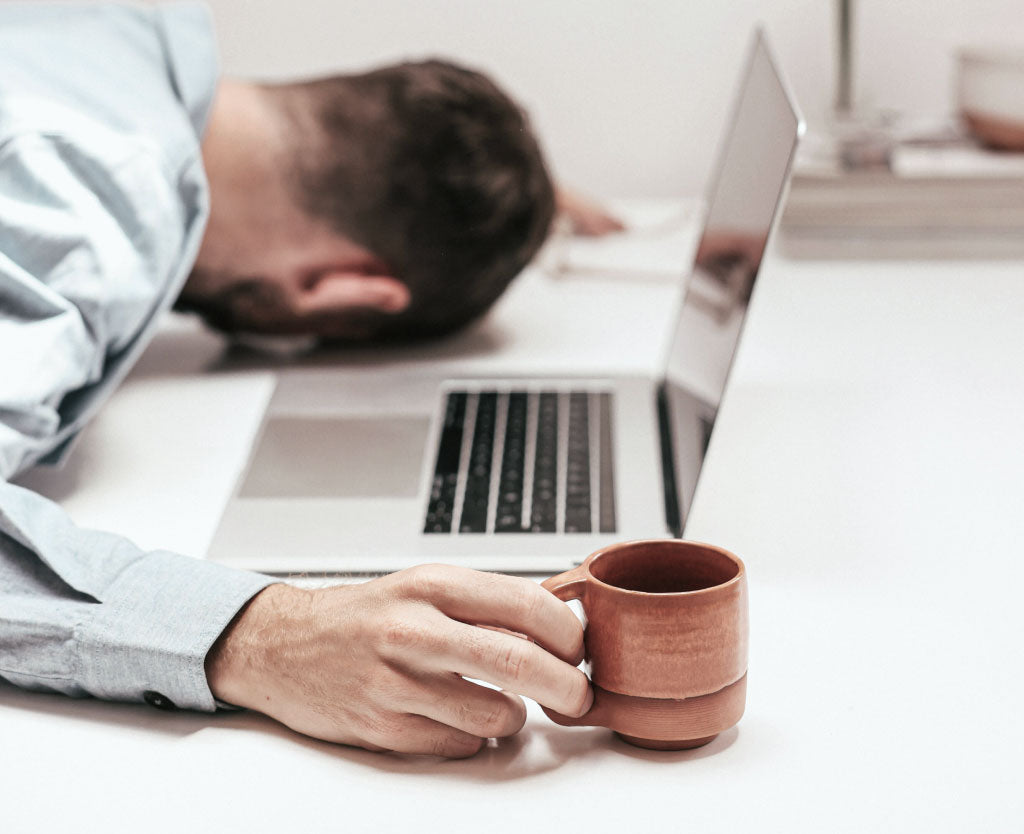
(526, 601)
(506, 720)
(401, 634)
(513, 663)
(488, 722)
(455, 745)
(381, 730)
(477, 650)
(425, 581)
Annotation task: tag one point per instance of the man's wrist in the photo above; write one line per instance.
(240, 661)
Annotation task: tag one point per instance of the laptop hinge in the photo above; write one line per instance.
(673, 516)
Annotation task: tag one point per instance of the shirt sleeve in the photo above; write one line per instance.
(91, 238)
(91, 234)
(88, 613)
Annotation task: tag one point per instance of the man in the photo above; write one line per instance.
(394, 204)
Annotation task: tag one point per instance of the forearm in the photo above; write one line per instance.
(88, 613)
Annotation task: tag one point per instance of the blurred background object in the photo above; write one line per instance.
(855, 138)
(899, 183)
(990, 95)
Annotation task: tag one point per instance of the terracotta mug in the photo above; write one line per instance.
(665, 639)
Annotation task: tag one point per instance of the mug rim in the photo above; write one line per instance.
(593, 557)
(996, 55)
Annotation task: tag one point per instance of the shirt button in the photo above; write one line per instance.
(155, 699)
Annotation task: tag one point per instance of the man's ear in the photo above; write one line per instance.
(340, 290)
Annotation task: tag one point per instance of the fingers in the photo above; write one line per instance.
(509, 602)
(587, 216)
(419, 735)
(513, 664)
(448, 639)
(466, 706)
(593, 222)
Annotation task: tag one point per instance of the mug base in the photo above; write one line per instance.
(659, 744)
(663, 723)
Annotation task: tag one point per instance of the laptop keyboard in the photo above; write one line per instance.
(524, 462)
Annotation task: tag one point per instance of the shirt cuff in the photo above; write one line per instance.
(149, 637)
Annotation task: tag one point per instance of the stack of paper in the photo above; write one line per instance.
(950, 188)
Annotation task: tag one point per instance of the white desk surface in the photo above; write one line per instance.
(868, 465)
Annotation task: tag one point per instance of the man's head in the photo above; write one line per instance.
(394, 204)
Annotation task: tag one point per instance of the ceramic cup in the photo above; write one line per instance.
(665, 639)
(988, 92)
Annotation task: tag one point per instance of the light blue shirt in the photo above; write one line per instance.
(103, 202)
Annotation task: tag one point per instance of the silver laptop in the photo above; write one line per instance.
(520, 475)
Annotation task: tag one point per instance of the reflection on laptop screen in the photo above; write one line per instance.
(742, 200)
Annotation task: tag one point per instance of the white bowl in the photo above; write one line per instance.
(990, 94)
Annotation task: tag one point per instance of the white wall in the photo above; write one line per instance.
(627, 96)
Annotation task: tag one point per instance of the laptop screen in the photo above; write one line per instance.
(743, 196)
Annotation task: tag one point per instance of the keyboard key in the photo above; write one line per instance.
(478, 480)
(509, 518)
(606, 507)
(543, 513)
(446, 470)
(577, 482)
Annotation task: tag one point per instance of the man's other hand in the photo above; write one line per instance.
(383, 665)
(586, 217)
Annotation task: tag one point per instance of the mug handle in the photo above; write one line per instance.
(568, 586)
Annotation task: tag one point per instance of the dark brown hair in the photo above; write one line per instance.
(433, 169)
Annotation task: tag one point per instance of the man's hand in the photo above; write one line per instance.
(381, 665)
(586, 217)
